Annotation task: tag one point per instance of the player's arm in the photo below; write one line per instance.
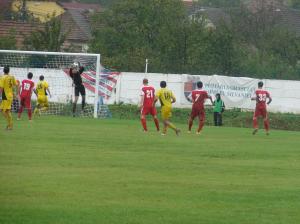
(269, 99)
(189, 98)
(141, 103)
(210, 98)
(254, 97)
(173, 98)
(48, 91)
(81, 70)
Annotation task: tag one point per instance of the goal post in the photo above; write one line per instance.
(54, 66)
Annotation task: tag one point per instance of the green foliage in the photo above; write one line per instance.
(295, 4)
(50, 38)
(250, 44)
(9, 42)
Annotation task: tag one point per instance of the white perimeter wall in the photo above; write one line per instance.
(235, 91)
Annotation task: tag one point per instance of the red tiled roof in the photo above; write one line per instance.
(20, 30)
(81, 6)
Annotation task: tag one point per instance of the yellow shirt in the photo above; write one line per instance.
(7, 83)
(41, 87)
(165, 97)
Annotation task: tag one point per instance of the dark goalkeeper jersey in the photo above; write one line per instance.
(77, 77)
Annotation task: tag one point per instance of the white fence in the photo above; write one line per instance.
(235, 91)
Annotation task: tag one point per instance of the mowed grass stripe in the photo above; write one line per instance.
(66, 170)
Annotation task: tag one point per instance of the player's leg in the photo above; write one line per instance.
(21, 108)
(201, 121)
(255, 121)
(220, 119)
(38, 106)
(76, 90)
(143, 118)
(216, 118)
(167, 123)
(266, 121)
(155, 119)
(3, 111)
(28, 107)
(9, 119)
(82, 93)
(6, 110)
(45, 104)
(191, 119)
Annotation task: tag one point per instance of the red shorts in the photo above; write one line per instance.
(262, 111)
(148, 110)
(197, 112)
(26, 102)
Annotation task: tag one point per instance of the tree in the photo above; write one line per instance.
(8, 42)
(50, 38)
(133, 30)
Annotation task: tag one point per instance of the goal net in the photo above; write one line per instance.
(55, 68)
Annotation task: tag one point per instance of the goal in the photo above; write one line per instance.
(54, 66)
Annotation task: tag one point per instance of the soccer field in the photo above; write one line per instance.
(72, 170)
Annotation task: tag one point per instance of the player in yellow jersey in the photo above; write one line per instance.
(7, 86)
(166, 98)
(41, 91)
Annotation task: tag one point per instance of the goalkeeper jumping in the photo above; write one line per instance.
(75, 73)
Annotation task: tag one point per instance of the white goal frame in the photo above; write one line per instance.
(98, 67)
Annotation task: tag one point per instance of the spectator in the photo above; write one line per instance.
(219, 108)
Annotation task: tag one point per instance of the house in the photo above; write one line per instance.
(285, 17)
(76, 21)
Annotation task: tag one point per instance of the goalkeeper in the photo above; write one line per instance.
(75, 73)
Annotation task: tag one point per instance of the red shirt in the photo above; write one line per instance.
(149, 94)
(198, 97)
(261, 98)
(26, 88)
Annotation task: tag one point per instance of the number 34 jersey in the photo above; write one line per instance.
(26, 88)
(261, 98)
(149, 93)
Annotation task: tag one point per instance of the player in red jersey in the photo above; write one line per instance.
(198, 97)
(147, 104)
(261, 97)
(25, 91)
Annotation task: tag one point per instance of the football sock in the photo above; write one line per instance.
(10, 119)
(143, 121)
(156, 123)
(190, 124)
(29, 113)
(201, 124)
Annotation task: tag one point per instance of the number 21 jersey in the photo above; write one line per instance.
(149, 93)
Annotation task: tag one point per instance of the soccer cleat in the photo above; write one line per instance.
(177, 131)
(18, 119)
(189, 132)
(198, 132)
(254, 131)
(163, 134)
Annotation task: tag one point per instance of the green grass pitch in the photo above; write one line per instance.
(72, 170)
